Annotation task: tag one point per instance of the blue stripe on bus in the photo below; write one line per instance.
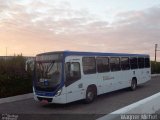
(68, 53)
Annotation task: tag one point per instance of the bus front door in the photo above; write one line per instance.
(74, 86)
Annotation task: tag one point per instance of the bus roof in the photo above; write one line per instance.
(69, 53)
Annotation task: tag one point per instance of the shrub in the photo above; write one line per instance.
(14, 80)
(155, 67)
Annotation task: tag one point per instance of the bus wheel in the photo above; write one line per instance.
(133, 84)
(90, 95)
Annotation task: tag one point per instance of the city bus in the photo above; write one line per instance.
(67, 76)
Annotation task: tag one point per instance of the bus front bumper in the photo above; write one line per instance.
(61, 99)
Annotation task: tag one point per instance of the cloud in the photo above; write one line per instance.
(137, 32)
(48, 26)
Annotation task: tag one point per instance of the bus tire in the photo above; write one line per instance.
(133, 84)
(91, 94)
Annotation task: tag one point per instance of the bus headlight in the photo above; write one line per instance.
(59, 92)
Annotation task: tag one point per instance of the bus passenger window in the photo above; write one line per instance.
(133, 63)
(125, 63)
(89, 65)
(102, 64)
(141, 62)
(147, 63)
(115, 63)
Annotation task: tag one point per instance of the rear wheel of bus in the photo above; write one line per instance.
(133, 84)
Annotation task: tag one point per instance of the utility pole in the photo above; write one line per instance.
(156, 46)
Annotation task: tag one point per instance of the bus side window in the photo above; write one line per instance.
(134, 63)
(102, 64)
(89, 65)
(125, 63)
(147, 62)
(115, 64)
(141, 62)
(72, 72)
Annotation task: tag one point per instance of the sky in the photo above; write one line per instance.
(122, 26)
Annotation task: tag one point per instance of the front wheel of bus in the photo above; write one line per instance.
(90, 95)
(133, 84)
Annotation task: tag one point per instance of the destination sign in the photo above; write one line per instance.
(49, 57)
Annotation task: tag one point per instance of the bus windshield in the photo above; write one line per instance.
(48, 74)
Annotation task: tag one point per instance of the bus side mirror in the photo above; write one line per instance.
(29, 65)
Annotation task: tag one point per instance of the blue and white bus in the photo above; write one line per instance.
(67, 76)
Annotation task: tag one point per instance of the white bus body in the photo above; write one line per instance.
(86, 83)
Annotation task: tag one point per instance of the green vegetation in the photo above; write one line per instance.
(14, 80)
(155, 67)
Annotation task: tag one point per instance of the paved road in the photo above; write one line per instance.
(104, 104)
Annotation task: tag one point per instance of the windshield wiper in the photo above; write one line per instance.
(44, 68)
(49, 67)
